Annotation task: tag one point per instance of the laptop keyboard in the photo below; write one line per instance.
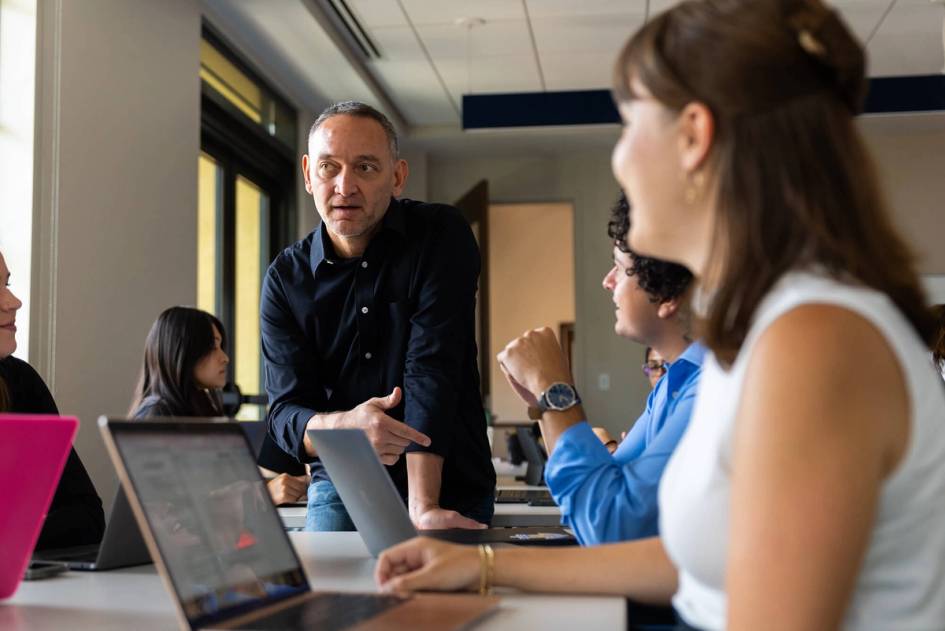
(78, 553)
(327, 612)
(521, 496)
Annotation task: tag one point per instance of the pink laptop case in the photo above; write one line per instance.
(33, 452)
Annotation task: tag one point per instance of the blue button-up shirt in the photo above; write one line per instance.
(606, 498)
(337, 332)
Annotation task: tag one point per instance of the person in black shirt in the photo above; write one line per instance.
(184, 369)
(75, 516)
(370, 321)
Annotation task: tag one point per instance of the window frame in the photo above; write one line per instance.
(242, 147)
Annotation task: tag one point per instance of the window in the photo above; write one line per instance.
(246, 181)
(18, 54)
(209, 234)
(249, 96)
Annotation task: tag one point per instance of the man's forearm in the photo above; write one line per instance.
(424, 477)
(330, 420)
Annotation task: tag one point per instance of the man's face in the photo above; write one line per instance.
(351, 174)
(636, 315)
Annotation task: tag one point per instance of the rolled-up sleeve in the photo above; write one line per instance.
(440, 330)
(607, 498)
(291, 379)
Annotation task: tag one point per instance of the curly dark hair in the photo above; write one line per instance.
(661, 280)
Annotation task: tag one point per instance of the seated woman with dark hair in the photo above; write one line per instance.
(75, 517)
(184, 366)
(184, 369)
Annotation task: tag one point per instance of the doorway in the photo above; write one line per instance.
(531, 285)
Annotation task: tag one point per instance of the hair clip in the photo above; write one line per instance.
(811, 44)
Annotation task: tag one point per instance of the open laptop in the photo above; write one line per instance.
(219, 544)
(33, 452)
(534, 474)
(534, 454)
(377, 510)
(532, 497)
(122, 544)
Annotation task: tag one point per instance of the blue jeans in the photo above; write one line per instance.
(326, 511)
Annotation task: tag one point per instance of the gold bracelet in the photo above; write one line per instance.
(486, 569)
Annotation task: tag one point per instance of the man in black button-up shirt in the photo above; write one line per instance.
(369, 322)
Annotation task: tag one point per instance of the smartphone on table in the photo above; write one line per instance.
(43, 569)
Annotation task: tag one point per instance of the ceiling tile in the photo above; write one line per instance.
(909, 42)
(397, 43)
(858, 12)
(570, 8)
(446, 41)
(578, 71)
(863, 17)
(407, 76)
(448, 11)
(418, 93)
(585, 33)
(508, 73)
(372, 13)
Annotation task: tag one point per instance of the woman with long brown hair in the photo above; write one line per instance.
(807, 491)
(75, 517)
(184, 366)
(183, 372)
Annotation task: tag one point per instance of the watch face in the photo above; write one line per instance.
(560, 396)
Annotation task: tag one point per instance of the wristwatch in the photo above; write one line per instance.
(558, 397)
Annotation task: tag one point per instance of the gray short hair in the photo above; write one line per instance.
(361, 110)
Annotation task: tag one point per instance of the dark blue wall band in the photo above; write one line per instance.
(594, 107)
(889, 95)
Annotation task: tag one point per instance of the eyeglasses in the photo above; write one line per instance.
(657, 366)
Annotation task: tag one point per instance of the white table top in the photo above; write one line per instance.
(134, 598)
(505, 514)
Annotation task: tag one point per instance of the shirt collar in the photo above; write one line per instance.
(694, 354)
(679, 372)
(394, 220)
(323, 250)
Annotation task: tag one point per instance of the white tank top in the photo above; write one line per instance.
(901, 585)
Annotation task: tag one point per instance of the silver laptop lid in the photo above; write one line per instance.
(368, 493)
(220, 539)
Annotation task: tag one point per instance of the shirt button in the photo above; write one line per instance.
(364, 264)
(364, 309)
(367, 356)
(675, 393)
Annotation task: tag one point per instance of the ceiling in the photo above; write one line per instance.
(430, 57)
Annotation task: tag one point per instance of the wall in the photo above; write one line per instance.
(910, 157)
(305, 207)
(531, 283)
(116, 195)
(910, 152)
(582, 178)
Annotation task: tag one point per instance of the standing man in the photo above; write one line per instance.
(369, 323)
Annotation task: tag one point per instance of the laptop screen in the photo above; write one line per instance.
(220, 537)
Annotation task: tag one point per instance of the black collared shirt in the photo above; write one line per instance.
(75, 517)
(336, 332)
